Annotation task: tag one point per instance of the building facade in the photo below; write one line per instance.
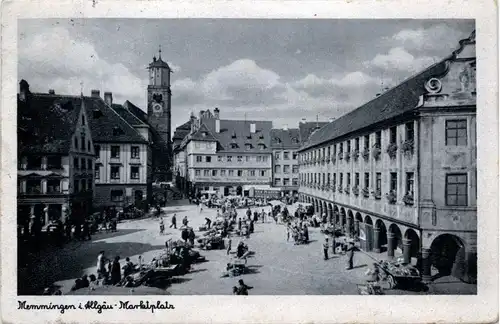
(284, 144)
(225, 157)
(55, 156)
(400, 171)
(123, 155)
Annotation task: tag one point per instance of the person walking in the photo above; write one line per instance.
(249, 213)
(325, 249)
(263, 216)
(288, 232)
(116, 276)
(242, 288)
(162, 226)
(101, 268)
(350, 256)
(208, 222)
(229, 241)
(185, 221)
(239, 224)
(174, 222)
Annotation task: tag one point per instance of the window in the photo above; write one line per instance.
(378, 138)
(328, 178)
(277, 182)
(54, 162)
(34, 163)
(410, 131)
(456, 132)
(247, 158)
(286, 155)
(262, 146)
(341, 148)
(334, 178)
(378, 181)
(356, 179)
(348, 179)
(134, 152)
(206, 173)
(277, 169)
(76, 186)
(393, 134)
(97, 172)
(199, 158)
(116, 195)
(394, 181)
(294, 155)
(231, 173)
(219, 158)
(409, 182)
(248, 146)
(456, 189)
(222, 173)
(328, 151)
(341, 180)
(348, 146)
(76, 142)
(367, 141)
(115, 172)
(240, 173)
(208, 159)
(83, 185)
(262, 173)
(82, 143)
(252, 173)
(83, 120)
(83, 164)
(334, 150)
(356, 144)
(134, 172)
(88, 145)
(89, 164)
(214, 173)
(367, 180)
(97, 150)
(89, 184)
(197, 173)
(239, 158)
(229, 158)
(264, 159)
(286, 169)
(295, 182)
(76, 163)
(286, 182)
(323, 150)
(295, 169)
(53, 186)
(277, 156)
(115, 152)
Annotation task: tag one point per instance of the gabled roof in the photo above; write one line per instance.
(285, 138)
(182, 131)
(136, 111)
(203, 134)
(107, 126)
(158, 62)
(46, 123)
(307, 128)
(235, 136)
(127, 115)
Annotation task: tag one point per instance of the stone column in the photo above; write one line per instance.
(376, 236)
(406, 250)
(426, 265)
(390, 244)
(341, 220)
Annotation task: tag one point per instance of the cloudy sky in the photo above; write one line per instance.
(279, 70)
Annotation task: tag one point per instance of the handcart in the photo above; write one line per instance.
(398, 274)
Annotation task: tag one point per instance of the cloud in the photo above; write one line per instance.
(298, 51)
(399, 59)
(436, 38)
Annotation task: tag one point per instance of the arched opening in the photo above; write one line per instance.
(325, 209)
(394, 240)
(449, 257)
(227, 190)
(342, 220)
(239, 191)
(350, 223)
(368, 234)
(358, 223)
(336, 215)
(382, 236)
(413, 241)
(138, 196)
(330, 213)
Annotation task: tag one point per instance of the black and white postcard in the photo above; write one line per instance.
(270, 162)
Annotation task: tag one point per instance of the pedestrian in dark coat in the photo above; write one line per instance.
(325, 249)
(350, 256)
(239, 224)
(116, 276)
(243, 289)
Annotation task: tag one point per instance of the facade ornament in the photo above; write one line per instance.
(433, 86)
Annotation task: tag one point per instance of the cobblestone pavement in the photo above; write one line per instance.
(277, 268)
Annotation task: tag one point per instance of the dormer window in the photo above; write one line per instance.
(262, 146)
(277, 140)
(261, 136)
(96, 113)
(234, 145)
(234, 135)
(204, 134)
(249, 136)
(295, 140)
(248, 146)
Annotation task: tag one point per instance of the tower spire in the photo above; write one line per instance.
(159, 52)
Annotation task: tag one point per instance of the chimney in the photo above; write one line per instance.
(24, 90)
(52, 92)
(252, 128)
(216, 113)
(108, 98)
(285, 127)
(217, 125)
(192, 119)
(95, 93)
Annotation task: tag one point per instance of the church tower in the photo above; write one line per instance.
(159, 116)
(159, 97)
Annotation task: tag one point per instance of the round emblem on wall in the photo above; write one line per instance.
(433, 85)
(157, 109)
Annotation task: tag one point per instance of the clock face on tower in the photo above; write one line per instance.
(157, 109)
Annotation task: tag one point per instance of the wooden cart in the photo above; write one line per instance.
(398, 274)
